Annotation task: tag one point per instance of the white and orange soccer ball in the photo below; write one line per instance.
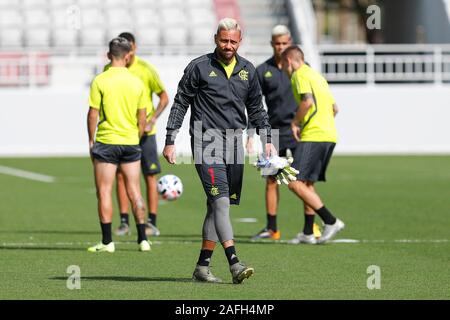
(170, 187)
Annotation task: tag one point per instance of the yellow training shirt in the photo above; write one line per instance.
(152, 83)
(318, 123)
(118, 95)
(229, 68)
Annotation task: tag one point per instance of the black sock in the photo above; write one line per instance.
(309, 223)
(124, 218)
(141, 232)
(326, 215)
(205, 257)
(106, 233)
(272, 222)
(231, 255)
(152, 218)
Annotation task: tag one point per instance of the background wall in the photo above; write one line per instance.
(372, 119)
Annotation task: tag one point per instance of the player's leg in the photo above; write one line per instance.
(123, 201)
(221, 206)
(150, 168)
(307, 235)
(202, 271)
(130, 167)
(272, 198)
(104, 180)
(313, 158)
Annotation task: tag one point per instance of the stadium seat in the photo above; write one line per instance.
(117, 18)
(202, 36)
(11, 37)
(61, 3)
(40, 4)
(148, 36)
(91, 4)
(172, 4)
(146, 17)
(64, 38)
(116, 4)
(37, 37)
(143, 4)
(9, 4)
(92, 37)
(10, 18)
(202, 16)
(174, 36)
(59, 18)
(199, 4)
(173, 17)
(92, 17)
(36, 18)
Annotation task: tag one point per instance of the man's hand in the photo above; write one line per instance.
(296, 131)
(149, 125)
(250, 147)
(270, 150)
(169, 153)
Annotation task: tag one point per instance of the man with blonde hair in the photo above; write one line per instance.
(219, 87)
(281, 107)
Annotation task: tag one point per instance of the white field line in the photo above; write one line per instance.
(158, 242)
(26, 174)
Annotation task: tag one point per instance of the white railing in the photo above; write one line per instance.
(385, 63)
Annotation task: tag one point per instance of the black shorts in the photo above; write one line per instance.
(149, 160)
(311, 159)
(222, 178)
(286, 141)
(116, 154)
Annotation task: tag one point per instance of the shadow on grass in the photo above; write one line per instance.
(37, 248)
(130, 279)
(31, 232)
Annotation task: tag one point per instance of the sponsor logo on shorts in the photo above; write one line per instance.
(233, 196)
(153, 166)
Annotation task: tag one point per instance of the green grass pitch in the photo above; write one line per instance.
(397, 207)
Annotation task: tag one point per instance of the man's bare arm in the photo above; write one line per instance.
(163, 102)
(92, 120)
(142, 120)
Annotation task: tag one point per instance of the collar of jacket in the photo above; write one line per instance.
(240, 62)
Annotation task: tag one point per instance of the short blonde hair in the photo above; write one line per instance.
(228, 24)
(280, 30)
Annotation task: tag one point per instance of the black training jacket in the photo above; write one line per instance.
(216, 101)
(276, 87)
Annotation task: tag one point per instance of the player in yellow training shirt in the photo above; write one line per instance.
(314, 127)
(149, 162)
(116, 120)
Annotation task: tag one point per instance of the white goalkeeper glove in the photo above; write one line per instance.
(278, 167)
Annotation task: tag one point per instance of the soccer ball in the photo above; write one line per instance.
(170, 187)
